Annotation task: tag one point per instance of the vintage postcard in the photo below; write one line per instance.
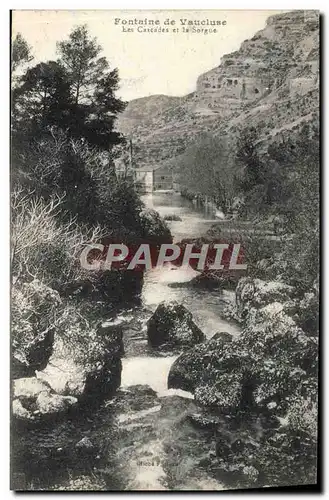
(164, 249)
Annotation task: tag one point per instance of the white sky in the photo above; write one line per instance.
(148, 63)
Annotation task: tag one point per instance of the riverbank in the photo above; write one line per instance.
(224, 422)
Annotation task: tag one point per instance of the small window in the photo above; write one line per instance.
(256, 91)
(162, 177)
(235, 82)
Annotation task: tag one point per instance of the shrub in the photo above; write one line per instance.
(172, 217)
(43, 247)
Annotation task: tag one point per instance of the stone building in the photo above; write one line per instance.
(149, 179)
(163, 178)
(144, 179)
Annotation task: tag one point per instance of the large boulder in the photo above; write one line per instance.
(255, 293)
(215, 372)
(88, 368)
(224, 337)
(155, 229)
(258, 371)
(54, 404)
(172, 325)
(33, 400)
(187, 369)
(283, 357)
(29, 388)
(34, 308)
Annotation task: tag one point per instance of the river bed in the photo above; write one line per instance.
(140, 440)
(144, 366)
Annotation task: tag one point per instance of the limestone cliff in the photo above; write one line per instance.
(271, 82)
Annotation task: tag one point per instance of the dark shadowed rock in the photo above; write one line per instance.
(85, 444)
(91, 368)
(173, 407)
(172, 325)
(223, 337)
(186, 370)
(154, 227)
(33, 310)
(135, 398)
(207, 281)
(205, 421)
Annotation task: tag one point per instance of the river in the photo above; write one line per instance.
(206, 306)
(141, 437)
(147, 460)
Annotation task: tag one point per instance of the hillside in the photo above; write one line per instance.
(271, 82)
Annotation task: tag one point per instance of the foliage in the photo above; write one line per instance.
(282, 185)
(65, 192)
(20, 53)
(75, 93)
(206, 168)
(42, 246)
(41, 100)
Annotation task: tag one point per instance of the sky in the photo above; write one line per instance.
(149, 63)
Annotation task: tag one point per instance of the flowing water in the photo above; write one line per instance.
(146, 459)
(142, 438)
(205, 305)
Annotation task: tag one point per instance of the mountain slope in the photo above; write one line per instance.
(271, 82)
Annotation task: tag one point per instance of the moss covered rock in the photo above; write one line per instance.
(86, 364)
(172, 325)
(34, 308)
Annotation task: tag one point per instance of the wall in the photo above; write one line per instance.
(163, 178)
(144, 181)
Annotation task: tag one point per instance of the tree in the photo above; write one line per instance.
(76, 93)
(79, 56)
(92, 86)
(42, 99)
(21, 52)
(206, 168)
(250, 180)
(249, 159)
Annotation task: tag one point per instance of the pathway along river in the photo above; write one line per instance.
(141, 440)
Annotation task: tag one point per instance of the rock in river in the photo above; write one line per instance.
(34, 399)
(90, 368)
(172, 325)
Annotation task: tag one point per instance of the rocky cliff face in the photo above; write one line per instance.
(271, 82)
